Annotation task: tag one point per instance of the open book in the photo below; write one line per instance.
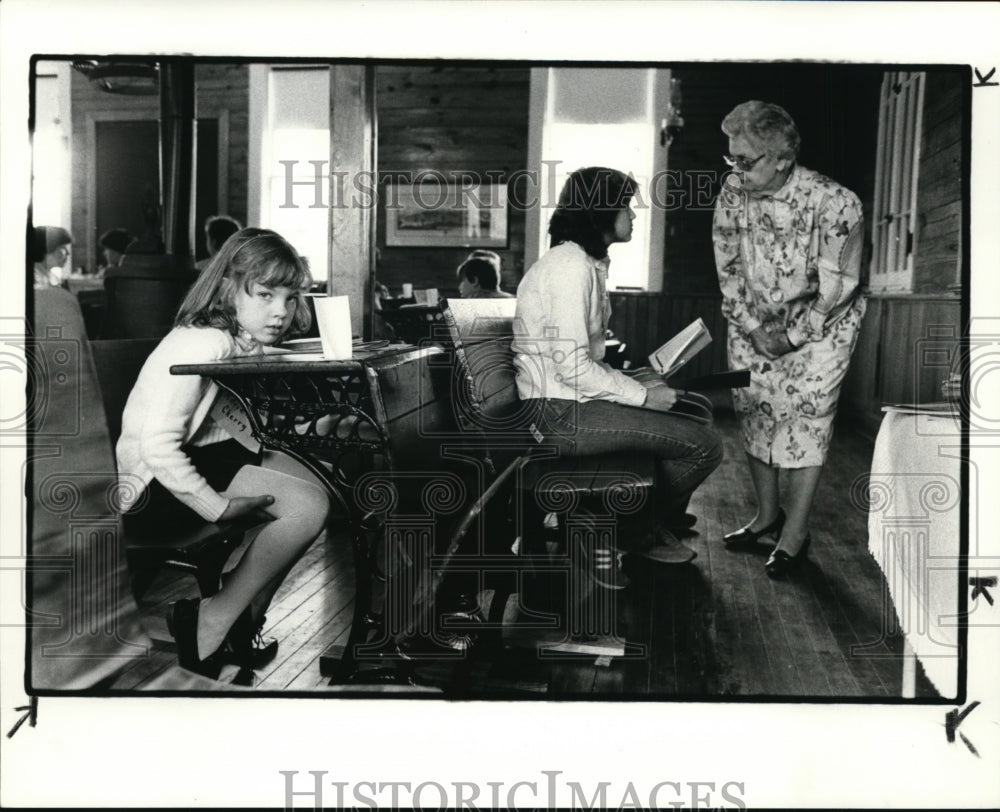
(681, 348)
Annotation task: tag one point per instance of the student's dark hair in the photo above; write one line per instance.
(220, 228)
(116, 239)
(251, 255)
(588, 207)
(481, 270)
(490, 256)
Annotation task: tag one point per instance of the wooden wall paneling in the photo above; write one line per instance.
(644, 321)
(447, 118)
(860, 396)
(925, 333)
(937, 243)
(896, 383)
(223, 93)
(941, 135)
(942, 220)
(936, 345)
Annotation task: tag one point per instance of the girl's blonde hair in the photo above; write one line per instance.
(250, 255)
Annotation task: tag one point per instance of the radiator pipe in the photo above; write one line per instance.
(178, 139)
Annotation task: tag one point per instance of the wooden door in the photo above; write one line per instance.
(127, 179)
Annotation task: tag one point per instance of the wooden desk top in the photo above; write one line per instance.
(283, 362)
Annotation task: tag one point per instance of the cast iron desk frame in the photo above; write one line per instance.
(323, 411)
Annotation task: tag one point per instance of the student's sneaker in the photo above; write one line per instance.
(667, 549)
(603, 563)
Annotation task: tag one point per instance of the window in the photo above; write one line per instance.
(626, 146)
(291, 106)
(601, 117)
(51, 183)
(895, 209)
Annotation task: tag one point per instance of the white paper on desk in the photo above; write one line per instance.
(333, 317)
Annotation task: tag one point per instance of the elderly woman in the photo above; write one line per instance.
(788, 254)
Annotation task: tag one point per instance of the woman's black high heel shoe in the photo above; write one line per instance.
(780, 563)
(746, 539)
(182, 623)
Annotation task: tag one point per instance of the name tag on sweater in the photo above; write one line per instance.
(227, 413)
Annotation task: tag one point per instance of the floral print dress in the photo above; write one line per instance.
(790, 261)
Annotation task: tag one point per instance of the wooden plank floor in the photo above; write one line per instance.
(716, 628)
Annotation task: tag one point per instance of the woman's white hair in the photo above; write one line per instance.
(767, 123)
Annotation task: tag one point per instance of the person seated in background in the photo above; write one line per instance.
(218, 229)
(113, 243)
(50, 250)
(479, 277)
(484, 253)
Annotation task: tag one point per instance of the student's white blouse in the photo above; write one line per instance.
(562, 315)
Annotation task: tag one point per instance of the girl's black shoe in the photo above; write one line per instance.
(746, 539)
(245, 646)
(182, 623)
(780, 563)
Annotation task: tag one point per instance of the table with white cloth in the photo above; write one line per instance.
(914, 513)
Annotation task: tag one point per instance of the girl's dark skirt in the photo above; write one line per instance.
(159, 511)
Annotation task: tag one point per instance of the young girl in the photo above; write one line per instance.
(189, 469)
(580, 403)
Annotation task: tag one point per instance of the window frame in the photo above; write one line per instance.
(897, 175)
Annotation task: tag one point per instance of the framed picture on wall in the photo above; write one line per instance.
(448, 215)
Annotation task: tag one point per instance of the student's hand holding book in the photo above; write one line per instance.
(663, 398)
(645, 375)
(659, 396)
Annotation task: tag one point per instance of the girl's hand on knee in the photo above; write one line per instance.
(661, 398)
(245, 506)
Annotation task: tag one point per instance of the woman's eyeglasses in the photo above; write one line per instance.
(741, 163)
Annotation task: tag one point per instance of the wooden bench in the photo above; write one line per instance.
(86, 628)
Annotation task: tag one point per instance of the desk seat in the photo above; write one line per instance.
(576, 577)
(588, 476)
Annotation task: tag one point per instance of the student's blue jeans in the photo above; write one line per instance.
(686, 450)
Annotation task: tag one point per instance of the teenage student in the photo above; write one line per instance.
(583, 405)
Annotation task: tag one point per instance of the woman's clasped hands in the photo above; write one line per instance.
(770, 345)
